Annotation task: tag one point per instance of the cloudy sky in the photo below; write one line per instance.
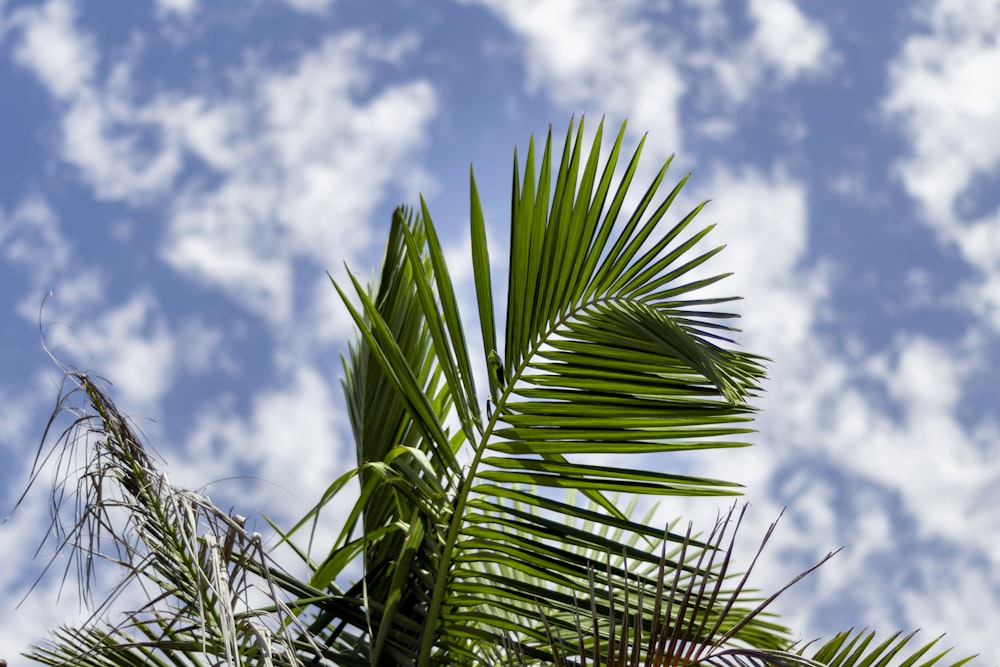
(180, 175)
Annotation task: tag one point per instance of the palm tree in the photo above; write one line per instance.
(484, 530)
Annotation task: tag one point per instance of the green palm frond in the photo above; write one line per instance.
(649, 635)
(605, 352)
(690, 618)
(856, 649)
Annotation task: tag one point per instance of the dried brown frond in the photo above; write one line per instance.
(209, 582)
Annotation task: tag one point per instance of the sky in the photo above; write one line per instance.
(178, 176)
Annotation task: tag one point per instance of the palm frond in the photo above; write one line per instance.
(604, 353)
(206, 571)
(855, 649)
(697, 633)
(689, 619)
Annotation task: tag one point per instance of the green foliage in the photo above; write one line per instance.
(485, 530)
(604, 353)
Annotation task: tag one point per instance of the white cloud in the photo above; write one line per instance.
(61, 293)
(207, 130)
(888, 421)
(939, 95)
(50, 603)
(30, 239)
(135, 151)
(201, 349)
(926, 378)
(110, 156)
(964, 591)
(52, 48)
(890, 425)
(222, 240)
(787, 40)
(301, 156)
(130, 344)
(613, 59)
(20, 404)
(938, 464)
(291, 439)
(328, 318)
(310, 6)
(599, 57)
(979, 243)
(783, 47)
(311, 170)
(937, 89)
(335, 151)
(182, 8)
(822, 398)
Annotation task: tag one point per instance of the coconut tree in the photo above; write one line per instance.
(484, 527)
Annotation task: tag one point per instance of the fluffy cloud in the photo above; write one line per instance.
(310, 6)
(599, 57)
(936, 92)
(948, 115)
(783, 46)
(51, 47)
(309, 176)
(764, 223)
(30, 239)
(48, 605)
(866, 447)
(299, 156)
(130, 343)
(932, 487)
(627, 60)
(182, 8)
(938, 464)
(292, 437)
(786, 40)
(824, 399)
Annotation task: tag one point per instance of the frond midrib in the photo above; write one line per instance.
(462, 498)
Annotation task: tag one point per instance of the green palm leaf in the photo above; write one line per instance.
(604, 353)
(854, 649)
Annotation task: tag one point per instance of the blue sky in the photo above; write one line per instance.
(181, 174)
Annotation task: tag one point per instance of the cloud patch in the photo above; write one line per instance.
(784, 46)
(786, 40)
(130, 343)
(52, 48)
(292, 437)
(940, 97)
(598, 57)
(293, 160)
(628, 60)
(312, 166)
